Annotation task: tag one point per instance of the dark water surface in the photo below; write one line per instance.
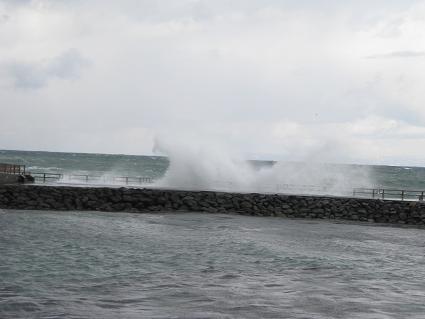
(106, 265)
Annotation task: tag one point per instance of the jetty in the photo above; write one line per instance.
(145, 200)
(377, 205)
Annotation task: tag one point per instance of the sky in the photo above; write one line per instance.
(336, 81)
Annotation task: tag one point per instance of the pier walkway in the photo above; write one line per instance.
(373, 193)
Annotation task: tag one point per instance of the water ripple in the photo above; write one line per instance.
(105, 265)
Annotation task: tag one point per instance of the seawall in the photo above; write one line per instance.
(154, 200)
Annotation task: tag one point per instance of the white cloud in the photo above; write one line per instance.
(267, 78)
(398, 54)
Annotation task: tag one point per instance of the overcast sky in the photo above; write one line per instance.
(336, 80)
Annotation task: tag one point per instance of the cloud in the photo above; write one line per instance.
(398, 54)
(272, 79)
(36, 75)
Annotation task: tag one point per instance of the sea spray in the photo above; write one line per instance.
(322, 178)
(211, 168)
(200, 168)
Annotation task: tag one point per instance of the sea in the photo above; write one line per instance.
(194, 265)
(167, 265)
(156, 167)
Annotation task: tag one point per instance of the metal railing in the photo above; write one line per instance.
(12, 169)
(132, 179)
(55, 177)
(302, 188)
(85, 178)
(382, 193)
(46, 177)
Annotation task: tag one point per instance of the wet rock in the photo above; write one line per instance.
(151, 200)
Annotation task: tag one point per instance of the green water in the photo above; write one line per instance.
(93, 164)
(155, 167)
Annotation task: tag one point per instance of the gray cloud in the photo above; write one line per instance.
(36, 75)
(4, 18)
(398, 54)
(278, 77)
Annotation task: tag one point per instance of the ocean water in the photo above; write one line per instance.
(82, 163)
(155, 167)
(110, 265)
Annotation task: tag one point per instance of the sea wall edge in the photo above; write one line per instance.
(149, 200)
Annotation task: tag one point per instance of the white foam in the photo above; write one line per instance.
(210, 168)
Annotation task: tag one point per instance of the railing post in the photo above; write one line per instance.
(383, 193)
(44, 177)
(402, 195)
(87, 178)
(373, 193)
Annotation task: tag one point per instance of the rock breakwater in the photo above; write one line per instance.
(155, 200)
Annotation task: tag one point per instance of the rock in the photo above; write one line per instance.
(246, 205)
(402, 216)
(153, 200)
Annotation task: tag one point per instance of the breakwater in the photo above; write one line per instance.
(155, 200)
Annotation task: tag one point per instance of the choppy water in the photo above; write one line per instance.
(82, 163)
(155, 167)
(106, 265)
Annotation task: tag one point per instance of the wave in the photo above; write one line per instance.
(212, 169)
